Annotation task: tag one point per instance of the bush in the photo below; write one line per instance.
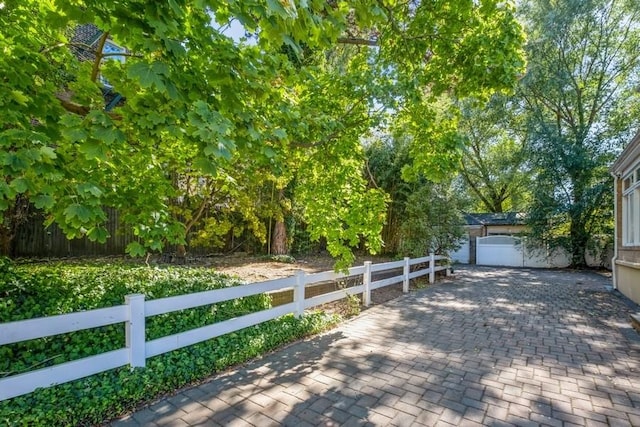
(35, 291)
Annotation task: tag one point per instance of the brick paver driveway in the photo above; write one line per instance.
(490, 347)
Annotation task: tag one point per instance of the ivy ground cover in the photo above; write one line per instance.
(30, 291)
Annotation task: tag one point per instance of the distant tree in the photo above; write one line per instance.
(422, 216)
(385, 159)
(494, 166)
(580, 97)
(432, 221)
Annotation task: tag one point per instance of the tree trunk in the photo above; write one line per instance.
(181, 254)
(16, 215)
(6, 240)
(579, 240)
(279, 234)
(279, 239)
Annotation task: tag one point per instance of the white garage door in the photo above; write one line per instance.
(462, 254)
(499, 250)
(509, 251)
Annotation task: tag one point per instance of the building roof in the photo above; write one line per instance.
(86, 35)
(490, 218)
(628, 156)
(84, 40)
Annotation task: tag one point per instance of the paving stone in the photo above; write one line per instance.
(427, 418)
(338, 415)
(545, 420)
(261, 420)
(198, 415)
(618, 422)
(144, 417)
(358, 411)
(486, 347)
(378, 419)
(127, 421)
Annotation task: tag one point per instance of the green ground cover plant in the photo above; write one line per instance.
(29, 291)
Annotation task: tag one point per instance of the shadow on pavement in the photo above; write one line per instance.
(491, 347)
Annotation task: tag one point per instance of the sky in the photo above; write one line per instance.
(236, 31)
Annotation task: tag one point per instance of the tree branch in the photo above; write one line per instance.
(197, 216)
(474, 188)
(72, 107)
(357, 41)
(59, 45)
(135, 55)
(98, 52)
(79, 109)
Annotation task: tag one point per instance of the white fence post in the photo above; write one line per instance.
(405, 273)
(366, 281)
(298, 293)
(432, 267)
(448, 270)
(135, 333)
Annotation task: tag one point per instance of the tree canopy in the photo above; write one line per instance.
(422, 216)
(494, 167)
(199, 107)
(580, 99)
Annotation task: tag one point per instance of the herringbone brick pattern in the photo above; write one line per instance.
(488, 347)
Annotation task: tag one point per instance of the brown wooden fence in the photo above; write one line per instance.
(33, 239)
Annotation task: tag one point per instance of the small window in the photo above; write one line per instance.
(113, 49)
(631, 209)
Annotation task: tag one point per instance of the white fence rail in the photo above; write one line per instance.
(135, 311)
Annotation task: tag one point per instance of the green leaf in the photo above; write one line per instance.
(217, 150)
(89, 188)
(149, 74)
(20, 185)
(43, 201)
(276, 7)
(107, 135)
(177, 9)
(205, 165)
(93, 150)
(48, 152)
(269, 152)
(135, 249)
(280, 133)
(79, 211)
(75, 134)
(98, 234)
(254, 135)
(175, 47)
(19, 97)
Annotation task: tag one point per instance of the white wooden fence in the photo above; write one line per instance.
(135, 310)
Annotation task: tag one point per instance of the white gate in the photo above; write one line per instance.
(509, 251)
(499, 250)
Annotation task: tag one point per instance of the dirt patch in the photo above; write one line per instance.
(259, 268)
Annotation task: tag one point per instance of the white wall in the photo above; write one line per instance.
(462, 255)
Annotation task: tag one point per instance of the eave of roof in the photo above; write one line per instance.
(628, 156)
(490, 218)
